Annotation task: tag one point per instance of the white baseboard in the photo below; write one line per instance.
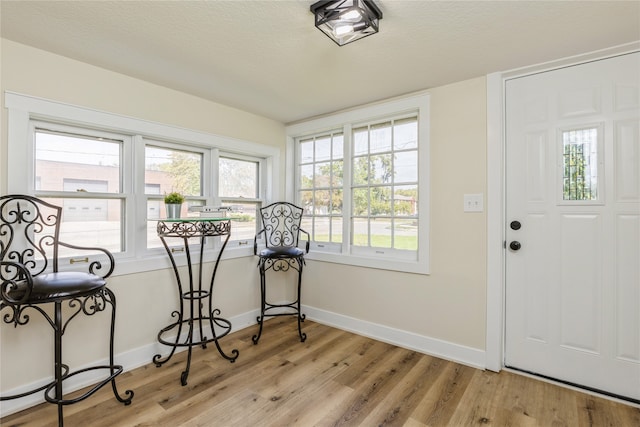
(432, 346)
(143, 355)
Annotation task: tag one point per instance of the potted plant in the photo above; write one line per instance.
(173, 203)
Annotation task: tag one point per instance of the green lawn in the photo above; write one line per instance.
(379, 241)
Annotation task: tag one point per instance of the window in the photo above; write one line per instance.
(363, 184)
(110, 174)
(81, 171)
(169, 168)
(384, 189)
(239, 192)
(580, 164)
(320, 186)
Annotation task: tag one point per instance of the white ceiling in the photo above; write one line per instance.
(266, 57)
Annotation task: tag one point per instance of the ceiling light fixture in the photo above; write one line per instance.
(345, 21)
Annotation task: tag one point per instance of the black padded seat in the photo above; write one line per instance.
(59, 286)
(282, 252)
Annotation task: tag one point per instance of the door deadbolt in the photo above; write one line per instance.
(515, 225)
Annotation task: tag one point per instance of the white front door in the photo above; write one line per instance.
(573, 224)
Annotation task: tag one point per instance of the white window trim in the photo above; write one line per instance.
(22, 109)
(418, 102)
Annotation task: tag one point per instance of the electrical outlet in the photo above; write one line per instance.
(473, 202)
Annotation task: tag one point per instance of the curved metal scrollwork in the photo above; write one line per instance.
(285, 264)
(193, 228)
(281, 223)
(16, 282)
(38, 232)
(29, 236)
(88, 305)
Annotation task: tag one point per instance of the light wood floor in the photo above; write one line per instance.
(333, 379)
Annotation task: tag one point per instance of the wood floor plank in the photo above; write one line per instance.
(400, 402)
(372, 388)
(442, 399)
(297, 382)
(335, 378)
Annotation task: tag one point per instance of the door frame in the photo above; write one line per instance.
(495, 200)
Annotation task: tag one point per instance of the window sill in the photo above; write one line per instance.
(159, 261)
(415, 267)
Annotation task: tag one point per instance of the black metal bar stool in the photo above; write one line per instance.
(281, 232)
(29, 276)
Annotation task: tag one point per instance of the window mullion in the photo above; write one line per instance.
(136, 203)
(210, 187)
(347, 189)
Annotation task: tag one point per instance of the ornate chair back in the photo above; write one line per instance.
(281, 224)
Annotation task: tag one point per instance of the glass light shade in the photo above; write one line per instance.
(345, 21)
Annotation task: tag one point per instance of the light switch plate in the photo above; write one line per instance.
(473, 202)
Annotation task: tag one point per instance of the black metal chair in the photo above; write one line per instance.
(281, 232)
(29, 275)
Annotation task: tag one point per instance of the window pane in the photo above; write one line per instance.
(243, 220)
(337, 173)
(336, 202)
(321, 229)
(322, 175)
(306, 201)
(380, 232)
(76, 163)
(338, 147)
(405, 166)
(580, 159)
(360, 141)
(306, 151)
(405, 134)
(360, 170)
(173, 170)
(380, 169)
(307, 223)
(90, 223)
(380, 201)
(306, 176)
(323, 149)
(321, 202)
(238, 178)
(360, 201)
(405, 234)
(405, 200)
(360, 227)
(336, 229)
(380, 138)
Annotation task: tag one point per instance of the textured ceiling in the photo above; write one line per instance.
(266, 57)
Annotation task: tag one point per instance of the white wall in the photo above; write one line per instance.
(449, 303)
(446, 306)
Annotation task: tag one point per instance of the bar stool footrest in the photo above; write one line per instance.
(115, 371)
